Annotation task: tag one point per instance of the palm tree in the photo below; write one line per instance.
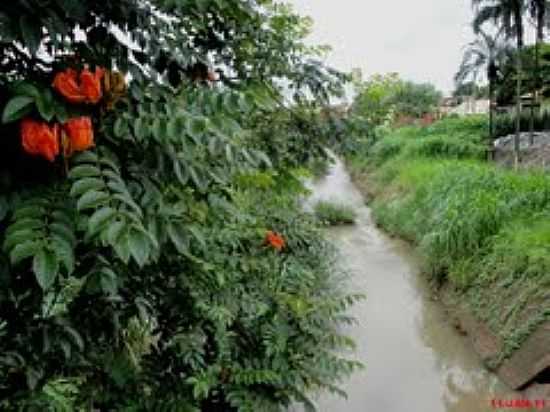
(537, 11)
(507, 15)
(486, 53)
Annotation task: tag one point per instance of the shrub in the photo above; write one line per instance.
(331, 213)
(134, 269)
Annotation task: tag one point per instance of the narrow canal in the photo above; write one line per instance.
(415, 361)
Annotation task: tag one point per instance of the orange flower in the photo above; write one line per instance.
(275, 240)
(90, 84)
(66, 84)
(80, 133)
(38, 138)
(85, 89)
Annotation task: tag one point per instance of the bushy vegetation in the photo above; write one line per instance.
(450, 138)
(154, 253)
(383, 98)
(332, 213)
(479, 227)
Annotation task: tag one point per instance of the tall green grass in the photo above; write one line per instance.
(484, 229)
(450, 138)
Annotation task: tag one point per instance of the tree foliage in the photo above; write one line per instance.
(134, 274)
(383, 98)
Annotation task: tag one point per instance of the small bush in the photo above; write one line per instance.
(330, 213)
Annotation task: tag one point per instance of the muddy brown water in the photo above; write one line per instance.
(415, 361)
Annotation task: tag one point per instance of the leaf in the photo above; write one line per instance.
(33, 377)
(24, 250)
(64, 252)
(195, 178)
(26, 89)
(196, 126)
(45, 267)
(84, 185)
(86, 156)
(84, 171)
(141, 129)
(122, 248)
(228, 153)
(17, 107)
(139, 247)
(182, 177)
(75, 337)
(127, 200)
(198, 236)
(25, 223)
(108, 281)
(178, 236)
(121, 127)
(114, 232)
(176, 129)
(45, 105)
(18, 237)
(91, 199)
(32, 33)
(160, 129)
(31, 211)
(100, 218)
(64, 231)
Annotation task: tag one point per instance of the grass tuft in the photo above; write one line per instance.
(331, 213)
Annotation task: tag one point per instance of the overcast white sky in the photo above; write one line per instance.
(422, 39)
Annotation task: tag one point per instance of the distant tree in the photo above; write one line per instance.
(415, 99)
(485, 54)
(508, 16)
(373, 99)
(384, 97)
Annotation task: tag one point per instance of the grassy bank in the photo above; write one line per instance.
(481, 228)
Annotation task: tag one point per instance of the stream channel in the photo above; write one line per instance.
(415, 360)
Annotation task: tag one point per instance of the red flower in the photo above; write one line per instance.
(67, 85)
(85, 89)
(80, 134)
(90, 84)
(40, 139)
(275, 240)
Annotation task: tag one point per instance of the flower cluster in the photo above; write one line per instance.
(85, 88)
(275, 240)
(75, 135)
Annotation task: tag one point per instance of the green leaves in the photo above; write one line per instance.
(111, 215)
(46, 105)
(42, 228)
(17, 107)
(45, 266)
(27, 97)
